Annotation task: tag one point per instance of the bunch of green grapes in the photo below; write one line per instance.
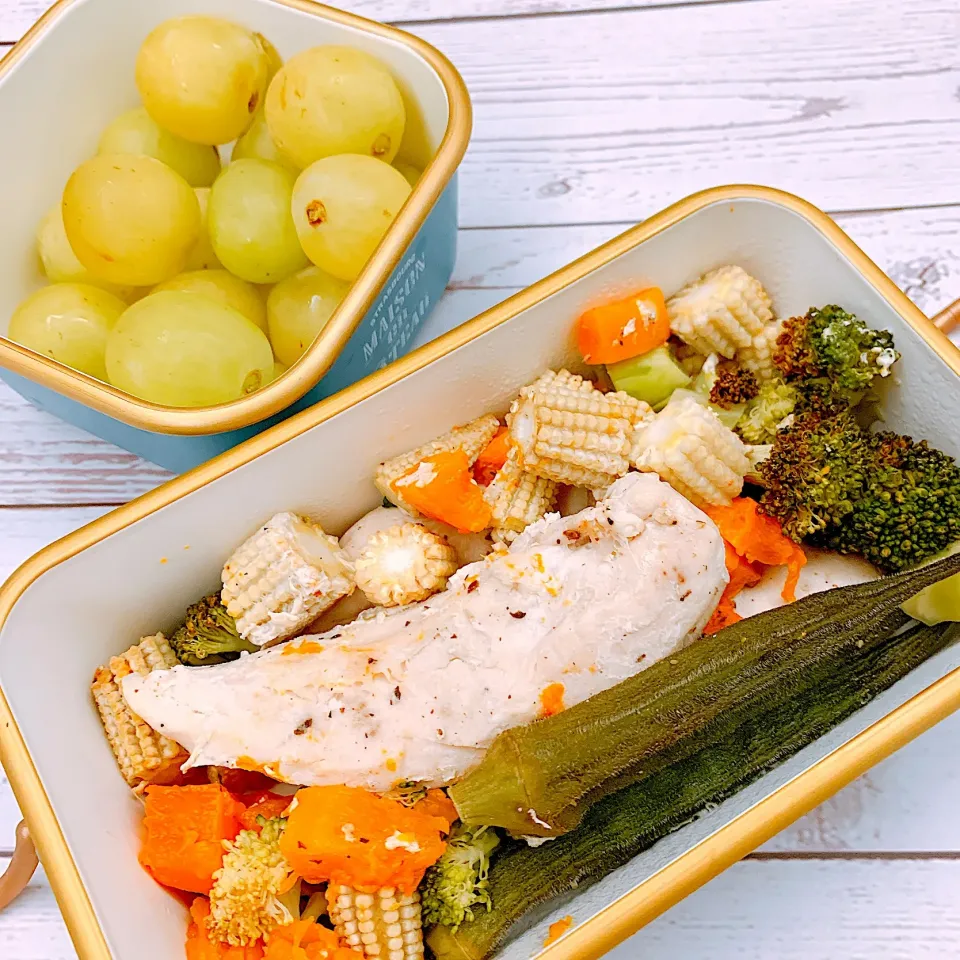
(187, 280)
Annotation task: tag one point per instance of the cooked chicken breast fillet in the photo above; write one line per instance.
(418, 693)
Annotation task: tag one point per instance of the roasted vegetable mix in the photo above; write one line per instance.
(362, 744)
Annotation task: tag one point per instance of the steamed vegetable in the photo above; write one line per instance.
(540, 779)
(246, 899)
(492, 457)
(623, 825)
(306, 940)
(201, 946)
(184, 831)
(442, 487)
(208, 635)
(623, 329)
(651, 377)
(457, 882)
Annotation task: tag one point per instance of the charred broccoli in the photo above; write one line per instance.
(830, 343)
(909, 509)
(208, 635)
(457, 882)
(767, 411)
(732, 386)
(893, 500)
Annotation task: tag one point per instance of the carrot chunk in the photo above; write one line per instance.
(351, 837)
(184, 830)
(305, 940)
(492, 458)
(437, 804)
(201, 947)
(551, 699)
(270, 806)
(442, 487)
(625, 328)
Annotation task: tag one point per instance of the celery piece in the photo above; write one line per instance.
(651, 377)
(940, 601)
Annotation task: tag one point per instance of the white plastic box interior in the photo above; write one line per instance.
(139, 580)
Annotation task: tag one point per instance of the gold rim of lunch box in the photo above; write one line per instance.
(320, 356)
(691, 870)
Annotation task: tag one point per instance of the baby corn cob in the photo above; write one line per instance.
(689, 448)
(471, 438)
(721, 312)
(404, 564)
(284, 577)
(757, 357)
(142, 754)
(566, 430)
(385, 924)
(518, 498)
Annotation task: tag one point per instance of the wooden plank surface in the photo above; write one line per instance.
(757, 910)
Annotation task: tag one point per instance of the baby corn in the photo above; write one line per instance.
(283, 577)
(518, 498)
(404, 564)
(722, 312)
(757, 356)
(142, 754)
(471, 438)
(566, 430)
(385, 924)
(688, 447)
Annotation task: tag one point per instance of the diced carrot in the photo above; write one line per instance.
(759, 539)
(268, 807)
(200, 947)
(742, 574)
(492, 458)
(442, 487)
(437, 804)
(551, 699)
(724, 616)
(184, 830)
(305, 940)
(557, 929)
(351, 837)
(625, 328)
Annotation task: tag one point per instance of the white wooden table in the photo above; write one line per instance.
(590, 115)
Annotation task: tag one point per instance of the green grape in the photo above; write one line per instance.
(202, 78)
(250, 225)
(137, 132)
(342, 207)
(183, 349)
(201, 256)
(130, 219)
(299, 308)
(332, 100)
(225, 288)
(257, 144)
(69, 322)
(410, 172)
(60, 263)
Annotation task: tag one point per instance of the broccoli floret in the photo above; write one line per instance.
(766, 411)
(457, 882)
(732, 386)
(246, 900)
(909, 509)
(817, 469)
(829, 342)
(208, 635)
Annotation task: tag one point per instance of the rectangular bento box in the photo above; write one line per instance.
(73, 72)
(90, 595)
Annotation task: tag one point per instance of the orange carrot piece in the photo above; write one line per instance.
(200, 947)
(551, 699)
(625, 328)
(742, 574)
(305, 940)
(759, 539)
(724, 616)
(557, 929)
(437, 804)
(351, 837)
(442, 487)
(268, 807)
(184, 830)
(492, 458)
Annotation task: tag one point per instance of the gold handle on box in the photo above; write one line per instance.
(23, 864)
(948, 318)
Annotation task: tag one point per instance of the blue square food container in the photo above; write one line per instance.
(88, 47)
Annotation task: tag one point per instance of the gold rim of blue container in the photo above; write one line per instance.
(320, 356)
(594, 937)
